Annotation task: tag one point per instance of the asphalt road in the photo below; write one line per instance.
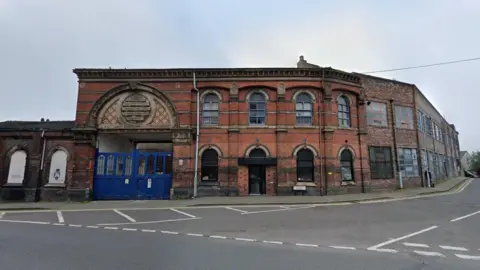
(438, 232)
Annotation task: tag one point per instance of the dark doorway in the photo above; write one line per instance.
(257, 183)
(256, 180)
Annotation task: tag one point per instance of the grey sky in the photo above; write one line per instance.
(41, 41)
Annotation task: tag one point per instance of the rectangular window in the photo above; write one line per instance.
(407, 158)
(377, 114)
(403, 117)
(442, 135)
(258, 113)
(381, 166)
(420, 121)
(428, 126)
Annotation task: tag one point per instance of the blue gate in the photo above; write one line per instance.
(133, 176)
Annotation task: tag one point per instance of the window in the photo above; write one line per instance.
(346, 165)
(403, 117)
(257, 109)
(442, 135)
(420, 121)
(210, 165)
(428, 126)
(377, 114)
(16, 171)
(58, 168)
(257, 153)
(435, 130)
(303, 109)
(343, 111)
(305, 166)
(210, 110)
(408, 161)
(381, 162)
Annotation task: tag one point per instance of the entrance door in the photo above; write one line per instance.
(256, 179)
(133, 176)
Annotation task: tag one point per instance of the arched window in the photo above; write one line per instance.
(257, 109)
(210, 166)
(16, 171)
(303, 109)
(305, 165)
(343, 111)
(210, 110)
(346, 164)
(58, 168)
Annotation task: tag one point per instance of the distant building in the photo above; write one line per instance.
(262, 131)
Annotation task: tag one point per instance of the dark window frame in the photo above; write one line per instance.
(304, 109)
(377, 114)
(376, 165)
(305, 165)
(209, 165)
(404, 117)
(346, 165)
(210, 107)
(257, 109)
(343, 112)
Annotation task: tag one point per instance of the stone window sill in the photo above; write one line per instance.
(307, 184)
(209, 183)
(55, 185)
(13, 185)
(348, 183)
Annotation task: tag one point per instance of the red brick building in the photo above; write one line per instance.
(262, 131)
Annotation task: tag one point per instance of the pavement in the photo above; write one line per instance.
(443, 187)
(420, 231)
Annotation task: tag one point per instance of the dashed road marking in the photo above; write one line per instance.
(2, 214)
(273, 242)
(150, 222)
(130, 229)
(387, 250)
(468, 257)
(110, 228)
(168, 232)
(454, 248)
(217, 237)
(415, 245)
(429, 253)
(183, 213)
(306, 245)
(129, 218)
(343, 247)
(463, 217)
(245, 239)
(147, 230)
(92, 227)
(58, 224)
(194, 234)
(60, 217)
(24, 221)
(75, 225)
(235, 209)
(391, 241)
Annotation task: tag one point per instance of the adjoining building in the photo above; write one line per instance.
(273, 131)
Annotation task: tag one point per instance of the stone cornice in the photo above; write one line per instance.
(219, 73)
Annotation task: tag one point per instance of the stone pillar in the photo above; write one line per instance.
(183, 167)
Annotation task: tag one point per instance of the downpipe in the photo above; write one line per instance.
(40, 172)
(197, 135)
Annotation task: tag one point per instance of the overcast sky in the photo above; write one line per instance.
(41, 41)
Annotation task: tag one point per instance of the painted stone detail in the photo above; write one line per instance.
(136, 109)
(161, 117)
(110, 116)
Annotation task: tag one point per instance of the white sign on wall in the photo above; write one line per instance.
(16, 172)
(58, 168)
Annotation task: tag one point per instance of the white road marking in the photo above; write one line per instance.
(130, 229)
(276, 210)
(146, 230)
(415, 245)
(58, 224)
(110, 228)
(401, 238)
(388, 250)
(235, 209)
(2, 214)
(245, 239)
(343, 247)
(306, 245)
(60, 217)
(183, 213)
(129, 218)
(92, 227)
(169, 232)
(149, 222)
(218, 237)
(428, 253)
(284, 207)
(468, 257)
(454, 248)
(273, 242)
(465, 185)
(194, 234)
(23, 221)
(75, 225)
(463, 217)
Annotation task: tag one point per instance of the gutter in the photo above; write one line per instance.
(197, 135)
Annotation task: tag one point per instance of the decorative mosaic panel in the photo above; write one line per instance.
(110, 116)
(161, 118)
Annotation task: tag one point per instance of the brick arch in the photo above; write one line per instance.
(210, 91)
(257, 90)
(305, 146)
(349, 100)
(210, 146)
(7, 157)
(302, 91)
(48, 161)
(346, 147)
(129, 87)
(257, 146)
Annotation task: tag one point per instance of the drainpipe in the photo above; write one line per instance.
(195, 178)
(360, 147)
(40, 172)
(394, 129)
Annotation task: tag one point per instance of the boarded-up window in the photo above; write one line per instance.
(377, 114)
(58, 168)
(403, 117)
(16, 172)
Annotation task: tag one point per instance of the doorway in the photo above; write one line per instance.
(257, 184)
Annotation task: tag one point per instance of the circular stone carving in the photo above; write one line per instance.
(136, 108)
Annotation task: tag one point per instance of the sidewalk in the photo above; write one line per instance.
(443, 187)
